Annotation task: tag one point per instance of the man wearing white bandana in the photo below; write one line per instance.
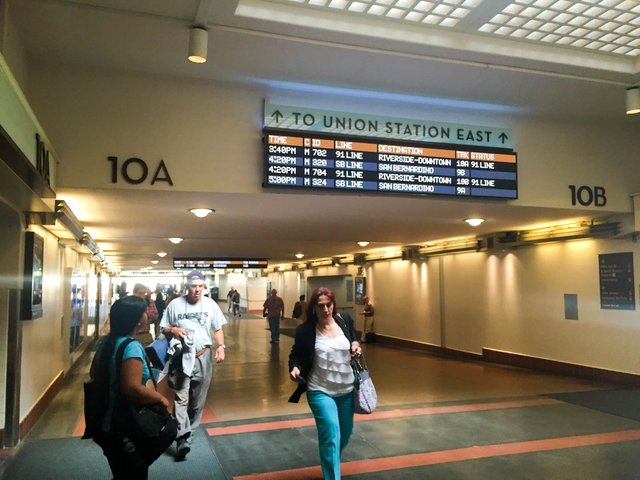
(194, 316)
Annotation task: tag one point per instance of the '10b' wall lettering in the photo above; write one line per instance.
(135, 171)
(585, 195)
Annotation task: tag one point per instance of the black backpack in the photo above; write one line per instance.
(151, 427)
(97, 391)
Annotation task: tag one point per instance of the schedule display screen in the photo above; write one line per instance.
(207, 263)
(318, 161)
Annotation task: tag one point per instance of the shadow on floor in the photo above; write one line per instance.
(620, 402)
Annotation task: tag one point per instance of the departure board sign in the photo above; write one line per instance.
(315, 161)
(181, 263)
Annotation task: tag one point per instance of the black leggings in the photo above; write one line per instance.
(124, 465)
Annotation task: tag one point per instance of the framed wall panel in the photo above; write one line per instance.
(31, 301)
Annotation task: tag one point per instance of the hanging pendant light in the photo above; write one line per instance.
(633, 100)
(198, 41)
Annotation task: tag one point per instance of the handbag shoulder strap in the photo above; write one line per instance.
(120, 354)
(100, 366)
(341, 321)
(343, 324)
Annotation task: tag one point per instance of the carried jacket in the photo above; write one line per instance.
(303, 350)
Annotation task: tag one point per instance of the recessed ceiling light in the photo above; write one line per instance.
(363, 244)
(175, 240)
(474, 222)
(155, 262)
(162, 254)
(201, 212)
(299, 255)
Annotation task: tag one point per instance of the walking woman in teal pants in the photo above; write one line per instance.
(320, 362)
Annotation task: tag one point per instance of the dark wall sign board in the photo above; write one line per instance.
(361, 289)
(182, 263)
(31, 297)
(617, 287)
(334, 162)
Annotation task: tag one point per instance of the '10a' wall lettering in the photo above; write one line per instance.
(136, 171)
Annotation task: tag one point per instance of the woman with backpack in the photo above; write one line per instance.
(126, 459)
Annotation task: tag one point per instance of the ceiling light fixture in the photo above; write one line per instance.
(69, 220)
(299, 255)
(474, 222)
(162, 254)
(633, 100)
(175, 240)
(155, 262)
(201, 212)
(363, 244)
(198, 41)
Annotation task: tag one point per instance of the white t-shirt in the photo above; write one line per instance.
(331, 372)
(198, 320)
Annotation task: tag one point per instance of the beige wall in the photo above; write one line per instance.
(515, 302)
(553, 155)
(406, 299)
(44, 351)
(510, 301)
(215, 128)
(535, 322)
(209, 127)
(45, 340)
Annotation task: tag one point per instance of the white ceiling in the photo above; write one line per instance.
(269, 42)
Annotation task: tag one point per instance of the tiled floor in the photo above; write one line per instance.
(437, 419)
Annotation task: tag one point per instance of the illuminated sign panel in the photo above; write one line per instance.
(210, 263)
(317, 161)
(309, 120)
